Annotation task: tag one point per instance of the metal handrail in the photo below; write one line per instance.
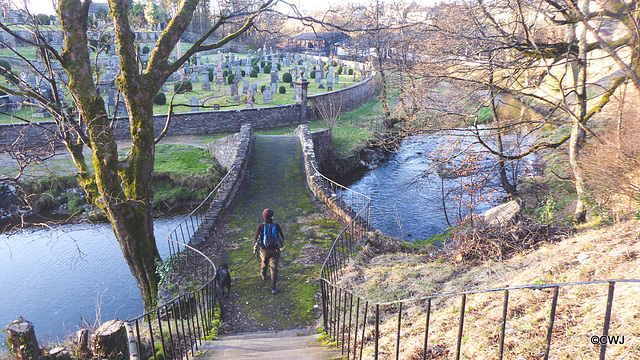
(192, 314)
(340, 305)
(190, 225)
(353, 199)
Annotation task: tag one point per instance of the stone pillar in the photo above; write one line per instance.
(300, 96)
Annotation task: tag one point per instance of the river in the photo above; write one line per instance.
(63, 277)
(408, 204)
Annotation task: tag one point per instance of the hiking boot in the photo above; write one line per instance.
(274, 291)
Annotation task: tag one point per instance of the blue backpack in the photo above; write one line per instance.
(270, 238)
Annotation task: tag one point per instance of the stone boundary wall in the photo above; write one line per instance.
(348, 98)
(200, 123)
(315, 181)
(239, 160)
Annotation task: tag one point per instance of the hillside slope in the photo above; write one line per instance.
(597, 254)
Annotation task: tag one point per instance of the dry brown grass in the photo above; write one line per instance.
(608, 253)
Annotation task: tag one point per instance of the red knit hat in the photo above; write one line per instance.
(267, 213)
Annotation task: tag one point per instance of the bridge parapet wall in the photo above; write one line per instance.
(315, 181)
(235, 151)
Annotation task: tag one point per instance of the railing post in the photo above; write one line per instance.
(551, 320)
(399, 327)
(607, 320)
(461, 326)
(337, 306)
(344, 321)
(364, 326)
(323, 294)
(350, 316)
(355, 331)
(504, 322)
(426, 331)
(377, 330)
(153, 345)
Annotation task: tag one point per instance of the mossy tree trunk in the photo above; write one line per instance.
(123, 187)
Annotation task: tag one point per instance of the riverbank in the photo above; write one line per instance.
(184, 173)
(386, 270)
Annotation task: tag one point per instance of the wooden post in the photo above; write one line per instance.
(110, 340)
(22, 340)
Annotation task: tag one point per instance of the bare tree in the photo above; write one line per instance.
(516, 49)
(120, 187)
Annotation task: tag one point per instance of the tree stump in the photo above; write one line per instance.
(21, 338)
(109, 341)
(82, 343)
(59, 353)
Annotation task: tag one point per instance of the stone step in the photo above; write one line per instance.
(302, 344)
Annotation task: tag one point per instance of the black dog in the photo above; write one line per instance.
(224, 278)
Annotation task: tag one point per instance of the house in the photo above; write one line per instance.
(321, 42)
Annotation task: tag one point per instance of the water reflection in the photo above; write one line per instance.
(58, 278)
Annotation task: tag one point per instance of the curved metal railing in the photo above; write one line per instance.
(175, 329)
(353, 321)
(351, 199)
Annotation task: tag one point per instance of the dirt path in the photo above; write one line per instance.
(275, 180)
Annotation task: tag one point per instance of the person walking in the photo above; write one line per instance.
(269, 241)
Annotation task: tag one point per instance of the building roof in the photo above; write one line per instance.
(330, 36)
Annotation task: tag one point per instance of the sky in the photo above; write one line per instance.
(47, 7)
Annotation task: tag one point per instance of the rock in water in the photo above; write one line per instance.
(504, 214)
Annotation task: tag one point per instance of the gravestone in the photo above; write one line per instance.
(111, 97)
(266, 97)
(164, 88)
(121, 110)
(239, 72)
(205, 81)
(194, 104)
(320, 86)
(319, 76)
(234, 90)
(249, 99)
(199, 60)
(330, 79)
(194, 77)
(274, 77)
(220, 75)
(274, 87)
(335, 81)
(216, 106)
(254, 88)
(245, 86)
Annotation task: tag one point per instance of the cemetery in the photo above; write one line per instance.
(230, 79)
